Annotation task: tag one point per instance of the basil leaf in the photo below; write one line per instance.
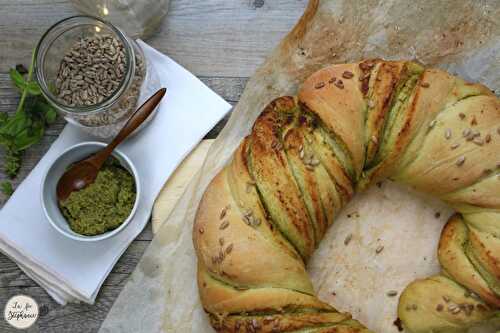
(17, 78)
(50, 116)
(33, 88)
(38, 107)
(29, 136)
(15, 124)
(12, 162)
(6, 188)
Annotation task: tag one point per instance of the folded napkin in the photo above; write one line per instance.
(70, 270)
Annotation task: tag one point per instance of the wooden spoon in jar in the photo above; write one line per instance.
(83, 173)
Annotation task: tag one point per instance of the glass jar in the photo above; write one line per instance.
(93, 74)
(139, 19)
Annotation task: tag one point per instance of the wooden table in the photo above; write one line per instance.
(220, 41)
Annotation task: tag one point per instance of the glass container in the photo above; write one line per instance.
(104, 117)
(140, 19)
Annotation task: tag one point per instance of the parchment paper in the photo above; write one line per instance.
(460, 36)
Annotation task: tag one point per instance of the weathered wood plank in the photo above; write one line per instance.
(204, 36)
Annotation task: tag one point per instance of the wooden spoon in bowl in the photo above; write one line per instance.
(83, 173)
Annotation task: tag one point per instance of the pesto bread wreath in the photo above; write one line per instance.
(351, 125)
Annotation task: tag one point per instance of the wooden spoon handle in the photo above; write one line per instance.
(137, 118)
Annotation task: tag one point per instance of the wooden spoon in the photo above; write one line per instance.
(83, 173)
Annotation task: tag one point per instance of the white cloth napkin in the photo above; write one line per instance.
(74, 271)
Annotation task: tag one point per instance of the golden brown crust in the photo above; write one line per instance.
(227, 246)
(446, 167)
(262, 216)
(339, 105)
(452, 257)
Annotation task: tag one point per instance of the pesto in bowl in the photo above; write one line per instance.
(103, 205)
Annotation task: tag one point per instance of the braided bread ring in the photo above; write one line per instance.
(351, 125)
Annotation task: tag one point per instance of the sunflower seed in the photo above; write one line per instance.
(347, 75)
(478, 141)
(455, 145)
(339, 84)
(314, 162)
(374, 139)
(447, 134)
(223, 213)
(432, 123)
(224, 225)
(348, 239)
(461, 115)
(460, 160)
(319, 85)
(379, 249)
(392, 293)
(487, 138)
(454, 308)
(425, 85)
(229, 248)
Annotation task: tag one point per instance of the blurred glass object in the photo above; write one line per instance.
(139, 18)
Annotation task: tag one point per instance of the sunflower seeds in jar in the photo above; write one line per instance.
(96, 76)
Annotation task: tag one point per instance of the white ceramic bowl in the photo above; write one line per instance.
(55, 171)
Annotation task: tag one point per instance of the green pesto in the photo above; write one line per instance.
(103, 205)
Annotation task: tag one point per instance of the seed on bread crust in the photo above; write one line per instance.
(319, 85)
(347, 75)
(224, 225)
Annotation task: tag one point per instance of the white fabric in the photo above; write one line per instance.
(74, 271)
